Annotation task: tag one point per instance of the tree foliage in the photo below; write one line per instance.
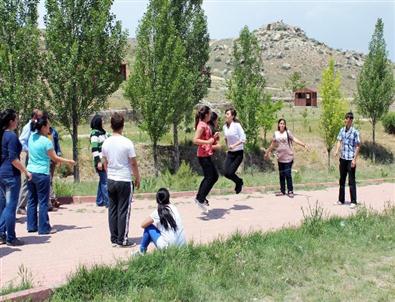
(246, 86)
(160, 74)
(21, 85)
(85, 47)
(332, 104)
(295, 82)
(267, 115)
(375, 83)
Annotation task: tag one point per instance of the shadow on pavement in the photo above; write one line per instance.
(61, 227)
(4, 251)
(218, 213)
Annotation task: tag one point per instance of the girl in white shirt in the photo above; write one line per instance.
(164, 226)
(235, 139)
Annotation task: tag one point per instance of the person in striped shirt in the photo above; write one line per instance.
(97, 137)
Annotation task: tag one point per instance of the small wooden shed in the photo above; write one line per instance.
(122, 71)
(305, 97)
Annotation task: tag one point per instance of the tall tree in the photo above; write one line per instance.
(295, 82)
(375, 83)
(160, 72)
(85, 48)
(268, 115)
(191, 25)
(332, 106)
(21, 85)
(246, 86)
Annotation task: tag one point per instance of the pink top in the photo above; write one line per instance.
(205, 150)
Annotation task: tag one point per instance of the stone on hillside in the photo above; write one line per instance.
(286, 66)
(286, 48)
(217, 59)
(228, 61)
(359, 63)
(320, 51)
(351, 76)
(277, 37)
(280, 55)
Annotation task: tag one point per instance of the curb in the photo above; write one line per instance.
(34, 295)
(92, 199)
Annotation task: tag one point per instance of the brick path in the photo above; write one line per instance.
(83, 236)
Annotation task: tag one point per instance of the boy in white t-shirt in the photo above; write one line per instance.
(164, 226)
(120, 163)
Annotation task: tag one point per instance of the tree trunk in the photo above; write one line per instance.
(329, 159)
(374, 140)
(76, 171)
(264, 137)
(155, 153)
(176, 156)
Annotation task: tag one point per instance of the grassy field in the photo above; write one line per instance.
(309, 166)
(338, 259)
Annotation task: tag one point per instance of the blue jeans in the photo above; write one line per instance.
(102, 191)
(151, 234)
(9, 195)
(38, 188)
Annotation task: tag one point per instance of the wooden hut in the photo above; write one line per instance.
(305, 97)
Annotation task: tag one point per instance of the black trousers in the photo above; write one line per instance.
(120, 195)
(345, 168)
(210, 178)
(232, 163)
(285, 171)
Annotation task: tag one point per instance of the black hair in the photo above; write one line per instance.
(97, 123)
(165, 214)
(6, 116)
(211, 122)
(349, 115)
(201, 113)
(233, 112)
(39, 123)
(285, 128)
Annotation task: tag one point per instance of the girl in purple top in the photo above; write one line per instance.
(10, 176)
(282, 142)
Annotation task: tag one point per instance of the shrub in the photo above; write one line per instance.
(389, 122)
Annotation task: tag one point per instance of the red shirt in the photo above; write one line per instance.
(205, 150)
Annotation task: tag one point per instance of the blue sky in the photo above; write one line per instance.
(340, 24)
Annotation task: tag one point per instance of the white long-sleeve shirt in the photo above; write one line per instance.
(233, 134)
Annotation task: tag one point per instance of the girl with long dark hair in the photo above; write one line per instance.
(164, 226)
(10, 176)
(41, 152)
(235, 139)
(283, 141)
(205, 139)
(97, 137)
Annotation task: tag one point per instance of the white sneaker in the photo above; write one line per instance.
(136, 253)
(353, 205)
(202, 206)
(338, 203)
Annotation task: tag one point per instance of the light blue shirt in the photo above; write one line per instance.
(24, 137)
(39, 160)
(350, 140)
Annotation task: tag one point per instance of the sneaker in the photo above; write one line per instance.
(114, 244)
(51, 231)
(291, 194)
(239, 187)
(279, 194)
(3, 239)
(137, 253)
(128, 244)
(201, 206)
(206, 202)
(15, 242)
(21, 211)
(353, 205)
(52, 209)
(338, 203)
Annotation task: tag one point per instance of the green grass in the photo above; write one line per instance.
(338, 259)
(25, 282)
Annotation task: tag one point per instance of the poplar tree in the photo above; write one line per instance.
(85, 48)
(21, 85)
(375, 83)
(332, 104)
(160, 73)
(246, 86)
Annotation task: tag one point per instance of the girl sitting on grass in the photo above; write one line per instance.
(164, 226)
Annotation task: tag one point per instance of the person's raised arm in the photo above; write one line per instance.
(52, 155)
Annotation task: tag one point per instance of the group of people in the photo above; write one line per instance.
(37, 141)
(116, 164)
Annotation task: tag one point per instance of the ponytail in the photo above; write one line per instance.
(6, 117)
(165, 214)
(36, 125)
(200, 114)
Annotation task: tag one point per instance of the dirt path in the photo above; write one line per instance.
(83, 236)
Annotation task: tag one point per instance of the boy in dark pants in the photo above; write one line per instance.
(120, 163)
(349, 141)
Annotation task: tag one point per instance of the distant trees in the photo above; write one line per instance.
(85, 47)
(295, 82)
(21, 85)
(246, 86)
(332, 104)
(160, 73)
(375, 83)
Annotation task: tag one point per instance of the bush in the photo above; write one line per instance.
(389, 122)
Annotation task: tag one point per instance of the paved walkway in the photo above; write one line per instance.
(83, 236)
